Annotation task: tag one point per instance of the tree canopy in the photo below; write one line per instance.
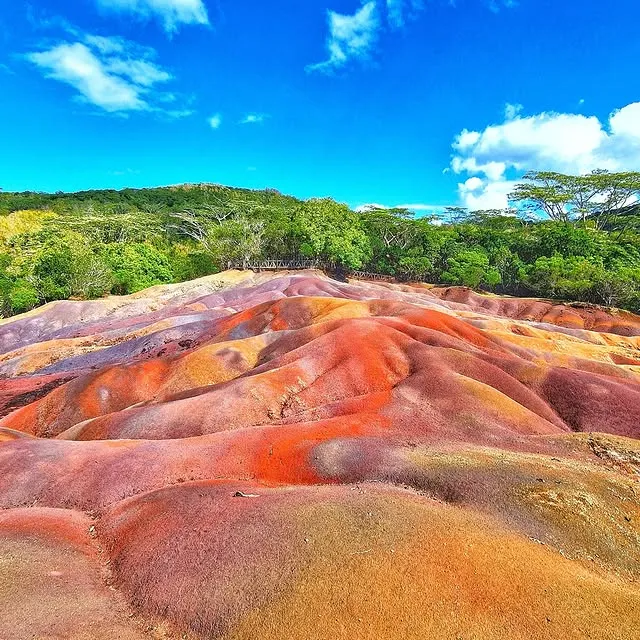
(582, 243)
(597, 196)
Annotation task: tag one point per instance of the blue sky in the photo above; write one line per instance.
(426, 103)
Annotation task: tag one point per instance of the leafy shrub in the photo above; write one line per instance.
(68, 267)
(22, 297)
(471, 268)
(188, 262)
(560, 277)
(137, 266)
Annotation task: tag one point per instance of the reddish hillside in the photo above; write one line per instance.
(288, 456)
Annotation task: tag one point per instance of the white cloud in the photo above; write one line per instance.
(477, 193)
(215, 121)
(253, 118)
(140, 72)
(564, 142)
(175, 114)
(111, 73)
(626, 122)
(76, 65)
(171, 13)
(351, 37)
(107, 45)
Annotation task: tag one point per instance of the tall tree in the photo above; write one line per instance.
(613, 192)
(331, 231)
(545, 191)
(596, 196)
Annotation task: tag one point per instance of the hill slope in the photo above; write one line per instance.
(285, 455)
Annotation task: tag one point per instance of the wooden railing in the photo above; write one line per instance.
(277, 265)
(368, 275)
(299, 264)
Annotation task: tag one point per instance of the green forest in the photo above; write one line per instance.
(572, 238)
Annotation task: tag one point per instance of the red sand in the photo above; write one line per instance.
(131, 423)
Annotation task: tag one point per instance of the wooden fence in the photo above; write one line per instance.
(277, 265)
(368, 275)
(298, 264)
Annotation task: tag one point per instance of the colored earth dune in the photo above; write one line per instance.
(252, 456)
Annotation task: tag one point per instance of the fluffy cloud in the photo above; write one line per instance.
(351, 37)
(564, 142)
(111, 73)
(625, 122)
(171, 13)
(477, 194)
(215, 121)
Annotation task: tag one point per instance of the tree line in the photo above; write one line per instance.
(565, 237)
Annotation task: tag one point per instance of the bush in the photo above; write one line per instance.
(414, 265)
(137, 266)
(22, 297)
(568, 278)
(68, 267)
(471, 269)
(188, 263)
(619, 287)
(331, 231)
